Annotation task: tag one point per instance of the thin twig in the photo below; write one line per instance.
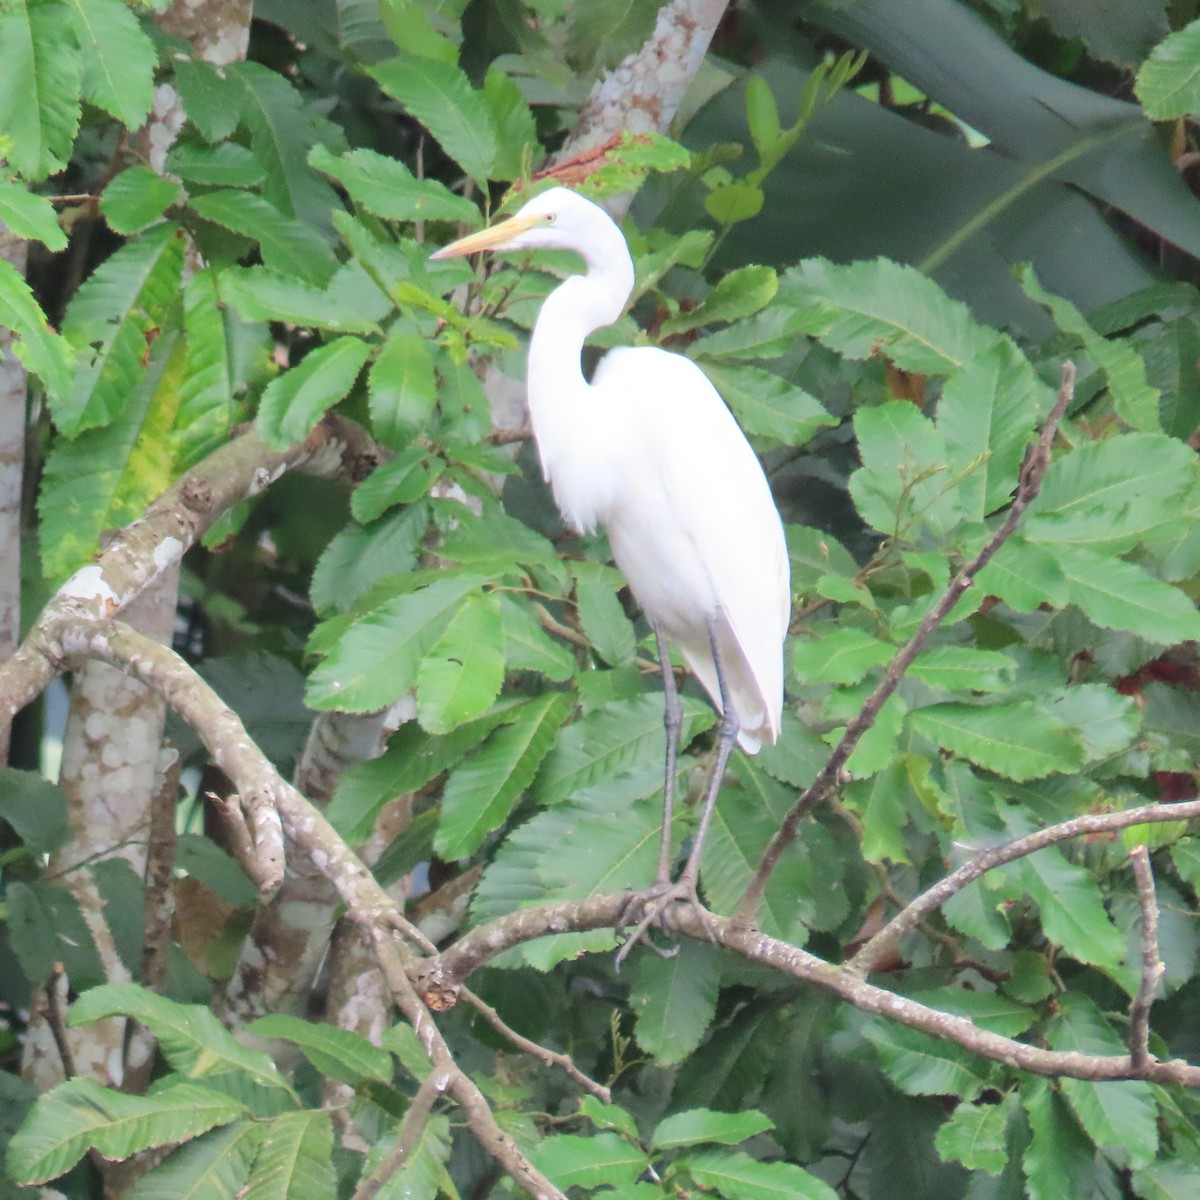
(50, 1006)
(830, 776)
(407, 1139)
(1152, 964)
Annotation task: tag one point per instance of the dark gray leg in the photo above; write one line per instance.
(672, 722)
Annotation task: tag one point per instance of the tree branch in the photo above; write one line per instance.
(1152, 964)
(407, 1139)
(830, 777)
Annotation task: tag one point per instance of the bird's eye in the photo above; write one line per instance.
(549, 218)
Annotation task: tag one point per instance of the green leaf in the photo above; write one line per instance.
(118, 59)
(737, 1174)
(80, 1114)
(387, 188)
(600, 612)
(1059, 1163)
(339, 1053)
(350, 304)
(224, 165)
(30, 216)
(974, 1136)
(121, 306)
(1168, 82)
(1105, 721)
(674, 1001)
(210, 377)
(1115, 594)
(210, 98)
(1025, 576)
(39, 86)
(137, 197)
(768, 334)
(46, 926)
(1017, 740)
(731, 203)
(439, 95)
(375, 662)
(869, 308)
(740, 293)
(609, 1116)
(197, 856)
(42, 351)
(292, 404)
(36, 810)
(767, 405)
(408, 477)
(573, 1161)
(762, 115)
(960, 668)
(920, 1065)
(409, 25)
(401, 389)
(461, 675)
(194, 1042)
(516, 131)
(843, 656)
(480, 794)
(703, 1125)
(528, 647)
(287, 245)
(1169, 1180)
(423, 1176)
(213, 1167)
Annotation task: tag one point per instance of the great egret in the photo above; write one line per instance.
(649, 451)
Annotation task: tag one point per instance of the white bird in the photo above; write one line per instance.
(649, 451)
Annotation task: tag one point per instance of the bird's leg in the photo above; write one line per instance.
(672, 723)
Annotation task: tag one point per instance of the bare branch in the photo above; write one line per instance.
(407, 1139)
(829, 778)
(1152, 964)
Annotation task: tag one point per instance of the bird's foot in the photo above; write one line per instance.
(645, 909)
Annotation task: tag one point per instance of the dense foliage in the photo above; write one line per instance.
(882, 260)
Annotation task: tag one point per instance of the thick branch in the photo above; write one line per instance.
(830, 776)
(1152, 964)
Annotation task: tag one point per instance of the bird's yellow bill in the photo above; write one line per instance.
(489, 239)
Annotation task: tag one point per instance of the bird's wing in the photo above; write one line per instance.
(694, 489)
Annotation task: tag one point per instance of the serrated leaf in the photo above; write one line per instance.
(600, 613)
(80, 1114)
(29, 216)
(1024, 576)
(194, 1042)
(350, 304)
(512, 120)
(1168, 82)
(36, 810)
(737, 1174)
(767, 405)
(920, 1065)
(462, 673)
(1017, 740)
(573, 1161)
(287, 245)
(137, 197)
(294, 402)
(974, 1136)
(528, 647)
(340, 1053)
(704, 1125)
(1115, 594)
(1059, 1163)
(224, 165)
(42, 351)
(1169, 1180)
(118, 59)
(387, 188)
(962, 668)
(674, 1001)
(45, 927)
(739, 293)
(209, 96)
(206, 391)
(843, 656)
(408, 477)
(609, 1116)
(39, 87)
(401, 389)
(112, 319)
(480, 793)
(212, 1167)
(423, 1176)
(375, 662)
(767, 334)
(439, 95)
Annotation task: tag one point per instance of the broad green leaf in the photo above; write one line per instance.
(1017, 740)
(287, 245)
(868, 308)
(224, 165)
(737, 1174)
(39, 86)
(462, 673)
(1105, 721)
(1135, 401)
(843, 656)
(1025, 576)
(36, 810)
(387, 188)
(118, 59)
(194, 1042)
(573, 1161)
(402, 388)
(767, 334)
(739, 293)
(704, 1125)
(955, 668)
(42, 351)
(439, 95)
(110, 320)
(600, 612)
(920, 1065)
(528, 647)
(375, 662)
(197, 856)
(767, 405)
(480, 793)
(80, 1114)
(674, 1001)
(211, 99)
(989, 1010)
(45, 927)
(516, 131)
(1115, 594)
(730, 203)
(408, 25)
(762, 114)
(210, 378)
(294, 402)
(1059, 1162)
(350, 304)
(339, 1053)
(406, 478)
(212, 1167)
(137, 197)
(1172, 1179)
(423, 1176)
(1168, 82)
(357, 559)
(974, 1136)
(30, 216)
